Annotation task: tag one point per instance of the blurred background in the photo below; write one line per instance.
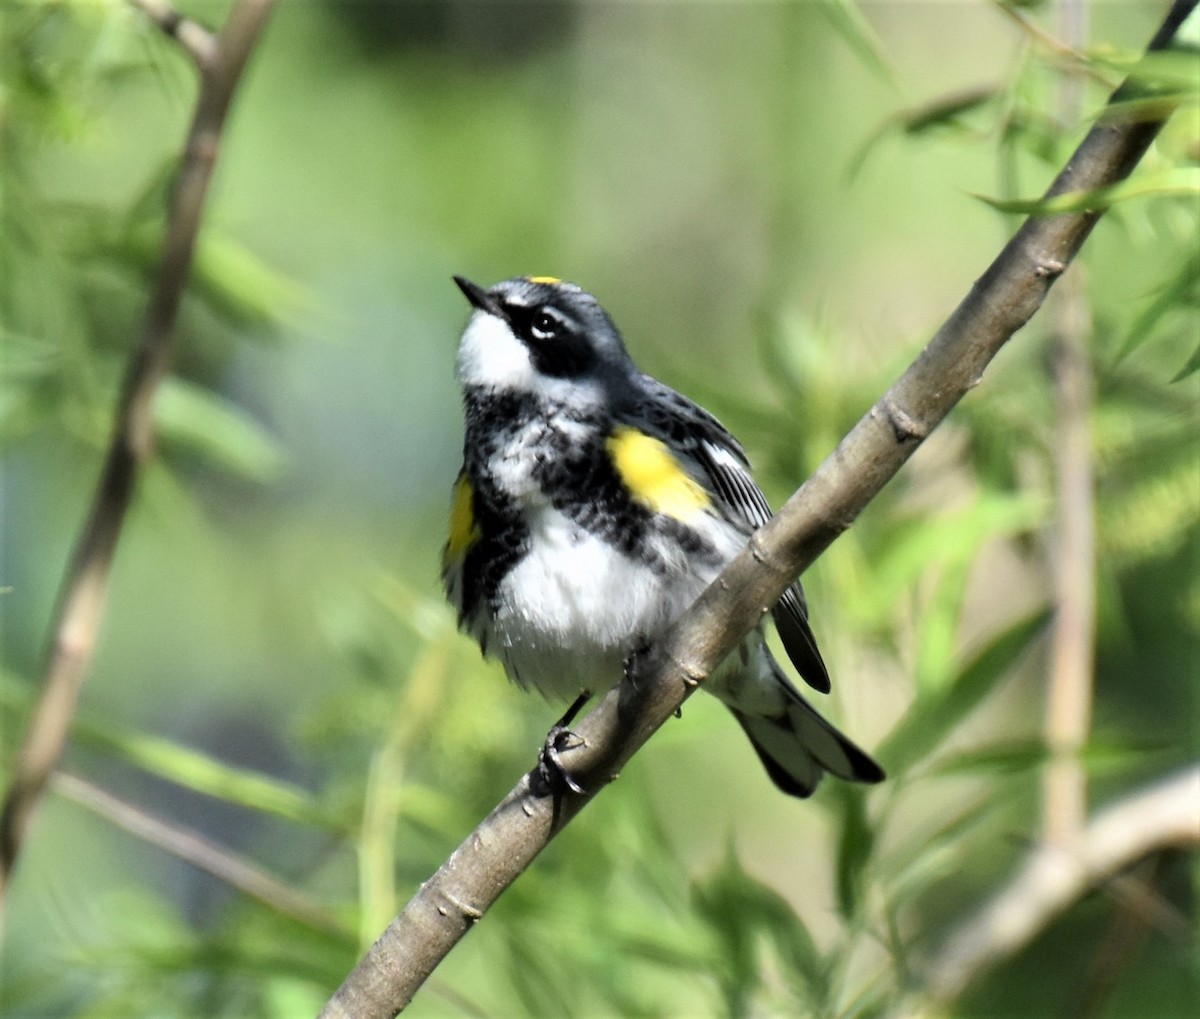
(779, 204)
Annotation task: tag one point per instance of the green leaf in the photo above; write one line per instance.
(204, 774)
(916, 544)
(1180, 293)
(856, 840)
(994, 761)
(942, 114)
(1189, 367)
(928, 856)
(848, 21)
(1155, 106)
(741, 911)
(945, 111)
(1149, 509)
(240, 285)
(1173, 71)
(1179, 181)
(934, 715)
(198, 420)
(226, 275)
(1108, 755)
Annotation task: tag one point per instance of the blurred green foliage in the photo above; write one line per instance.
(774, 202)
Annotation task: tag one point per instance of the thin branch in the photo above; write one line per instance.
(1163, 816)
(1134, 918)
(1069, 681)
(507, 841)
(1069, 50)
(199, 43)
(81, 600)
(204, 854)
(1069, 693)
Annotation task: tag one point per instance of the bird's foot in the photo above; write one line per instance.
(559, 739)
(634, 662)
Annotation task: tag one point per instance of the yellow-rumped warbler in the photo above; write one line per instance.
(594, 505)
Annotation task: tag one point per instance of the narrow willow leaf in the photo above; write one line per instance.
(952, 538)
(856, 840)
(1150, 513)
(1180, 181)
(228, 277)
(1189, 367)
(1106, 755)
(1174, 71)
(221, 433)
(664, 948)
(994, 761)
(202, 773)
(1180, 293)
(945, 111)
(741, 910)
(847, 19)
(926, 858)
(932, 717)
(241, 286)
(1145, 107)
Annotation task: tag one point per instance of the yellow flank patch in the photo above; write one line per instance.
(548, 280)
(464, 530)
(653, 476)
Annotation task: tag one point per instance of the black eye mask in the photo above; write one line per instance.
(556, 343)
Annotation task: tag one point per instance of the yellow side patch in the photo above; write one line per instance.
(548, 280)
(653, 476)
(464, 529)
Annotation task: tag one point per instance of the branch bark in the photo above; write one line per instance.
(197, 41)
(1069, 692)
(202, 853)
(507, 841)
(80, 607)
(1165, 815)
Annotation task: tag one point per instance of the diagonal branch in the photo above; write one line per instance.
(1162, 816)
(198, 42)
(203, 854)
(1069, 688)
(81, 600)
(507, 841)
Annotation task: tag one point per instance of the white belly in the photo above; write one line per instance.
(572, 610)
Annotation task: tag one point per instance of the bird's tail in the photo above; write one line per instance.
(797, 746)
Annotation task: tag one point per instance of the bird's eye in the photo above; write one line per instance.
(545, 325)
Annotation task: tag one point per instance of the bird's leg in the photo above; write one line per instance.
(633, 663)
(560, 738)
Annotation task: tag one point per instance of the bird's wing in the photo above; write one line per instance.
(717, 461)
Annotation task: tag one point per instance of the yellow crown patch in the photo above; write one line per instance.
(653, 476)
(548, 280)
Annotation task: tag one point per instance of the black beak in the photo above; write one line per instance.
(478, 297)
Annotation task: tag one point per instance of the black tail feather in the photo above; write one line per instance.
(798, 746)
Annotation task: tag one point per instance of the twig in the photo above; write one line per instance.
(1069, 50)
(1069, 681)
(203, 854)
(1132, 921)
(1165, 815)
(81, 599)
(506, 842)
(199, 43)
(1069, 694)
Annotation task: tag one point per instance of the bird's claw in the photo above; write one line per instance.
(633, 664)
(551, 769)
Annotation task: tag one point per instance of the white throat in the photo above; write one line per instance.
(491, 356)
